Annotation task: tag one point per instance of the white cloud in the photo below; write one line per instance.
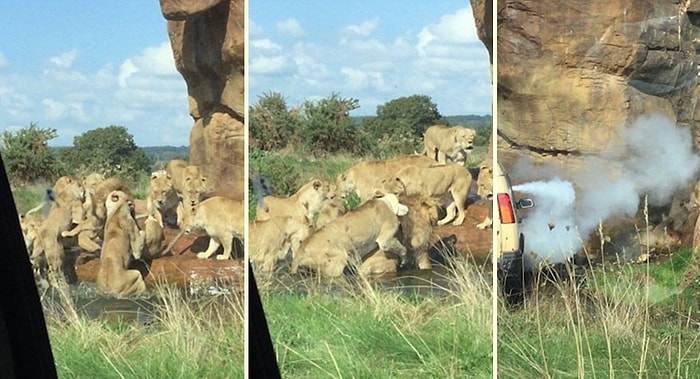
(264, 44)
(64, 60)
(364, 29)
(127, 69)
(451, 29)
(269, 65)
(291, 27)
(59, 110)
(255, 30)
(360, 79)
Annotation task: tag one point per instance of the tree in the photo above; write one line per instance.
(272, 125)
(400, 123)
(27, 156)
(109, 150)
(327, 126)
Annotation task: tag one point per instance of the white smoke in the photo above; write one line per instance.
(653, 158)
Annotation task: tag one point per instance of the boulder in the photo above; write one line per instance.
(207, 38)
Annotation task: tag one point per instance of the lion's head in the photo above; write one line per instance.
(161, 187)
(464, 137)
(484, 182)
(69, 187)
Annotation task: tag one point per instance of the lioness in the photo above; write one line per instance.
(484, 188)
(122, 239)
(365, 176)
(434, 181)
(153, 238)
(223, 219)
(417, 228)
(162, 200)
(95, 212)
(330, 210)
(353, 235)
(378, 263)
(66, 209)
(189, 183)
(306, 202)
(30, 225)
(271, 240)
(442, 142)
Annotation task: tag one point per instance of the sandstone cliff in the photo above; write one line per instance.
(571, 74)
(207, 39)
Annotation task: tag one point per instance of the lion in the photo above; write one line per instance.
(190, 184)
(162, 200)
(223, 220)
(417, 228)
(66, 209)
(364, 177)
(153, 238)
(273, 239)
(433, 181)
(484, 188)
(331, 208)
(352, 236)
(445, 142)
(95, 212)
(122, 240)
(378, 263)
(306, 202)
(30, 225)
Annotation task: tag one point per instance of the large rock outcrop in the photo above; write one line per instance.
(208, 40)
(571, 74)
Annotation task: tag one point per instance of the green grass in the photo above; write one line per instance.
(185, 338)
(364, 332)
(619, 321)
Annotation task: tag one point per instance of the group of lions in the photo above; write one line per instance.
(98, 215)
(393, 225)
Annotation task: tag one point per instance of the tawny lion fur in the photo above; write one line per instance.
(66, 209)
(306, 202)
(484, 188)
(189, 183)
(272, 240)
(433, 182)
(122, 240)
(162, 200)
(448, 142)
(351, 236)
(223, 220)
(365, 177)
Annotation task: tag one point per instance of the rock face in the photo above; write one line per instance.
(207, 39)
(570, 75)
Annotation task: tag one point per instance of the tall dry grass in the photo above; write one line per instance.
(437, 327)
(183, 337)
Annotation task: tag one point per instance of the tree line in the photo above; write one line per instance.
(110, 150)
(325, 126)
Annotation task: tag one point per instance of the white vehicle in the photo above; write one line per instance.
(510, 241)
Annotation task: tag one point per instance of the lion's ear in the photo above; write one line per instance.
(114, 197)
(317, 184)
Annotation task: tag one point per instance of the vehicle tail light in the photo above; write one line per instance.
(505, 209)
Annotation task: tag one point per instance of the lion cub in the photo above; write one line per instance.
(122, 238)
(223, 219)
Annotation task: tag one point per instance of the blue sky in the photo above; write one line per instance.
(79, 65)
(374, 51)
